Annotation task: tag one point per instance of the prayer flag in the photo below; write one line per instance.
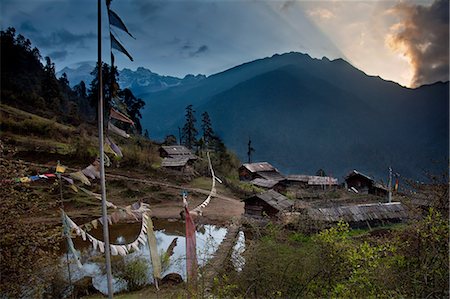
(116, 21)
(80, 177)
(60, 168)
(191, 253)
(151, 238)
(25, 179)
(114, 147)
(120, 116)
(117, 131)
(116, 45)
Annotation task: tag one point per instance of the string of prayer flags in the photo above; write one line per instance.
(120, 116)
(199, 209)
(99, 197)
(136, 210)
(117, 131)
(115, 249)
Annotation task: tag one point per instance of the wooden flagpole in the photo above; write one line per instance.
(102, 156)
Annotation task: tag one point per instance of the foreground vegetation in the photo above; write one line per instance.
(410, 261)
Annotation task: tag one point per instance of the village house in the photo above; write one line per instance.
(364, 184)
(176, 157)
(269, 203)
(261, 170)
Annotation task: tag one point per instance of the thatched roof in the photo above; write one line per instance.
(360, 212)
(274, 199)
(259, 166)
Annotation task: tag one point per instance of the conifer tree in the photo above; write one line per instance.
(208, 132)
(189, 132)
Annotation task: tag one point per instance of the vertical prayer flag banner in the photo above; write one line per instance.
(191, 253)
(116, 21)
(151, 238)
(118, 46)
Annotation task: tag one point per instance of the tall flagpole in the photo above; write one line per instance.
(102, 155)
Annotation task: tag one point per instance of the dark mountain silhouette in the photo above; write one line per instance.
(304, 114)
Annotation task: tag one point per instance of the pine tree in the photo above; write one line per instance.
(208, 132)
(189, 132)
(110, 86)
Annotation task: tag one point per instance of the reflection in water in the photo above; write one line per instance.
(208, 239)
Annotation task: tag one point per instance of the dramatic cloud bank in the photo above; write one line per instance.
(422, 36)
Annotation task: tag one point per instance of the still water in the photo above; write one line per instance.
(208, 239)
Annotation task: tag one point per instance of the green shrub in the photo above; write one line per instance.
(134, 272)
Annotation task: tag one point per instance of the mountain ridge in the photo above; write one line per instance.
(382, 122)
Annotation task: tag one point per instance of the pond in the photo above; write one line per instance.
(208, 238)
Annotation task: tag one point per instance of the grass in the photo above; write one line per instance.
(150, 292)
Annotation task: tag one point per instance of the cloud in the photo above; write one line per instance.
(27, 27)
(188, 50)
(422, 36)
(64, 38)
(200, 50)
(58, 55)
(322, 13)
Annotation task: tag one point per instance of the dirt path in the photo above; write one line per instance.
(220, 210)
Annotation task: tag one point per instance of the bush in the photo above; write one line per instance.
(134, 272)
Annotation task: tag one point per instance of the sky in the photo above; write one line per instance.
(403, 41)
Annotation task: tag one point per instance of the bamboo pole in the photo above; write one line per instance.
(102, 156)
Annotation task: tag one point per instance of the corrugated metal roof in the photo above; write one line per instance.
(259, 166)
(360, 212)
(275, 199)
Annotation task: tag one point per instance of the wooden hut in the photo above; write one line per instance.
(261, 170)
(364, 184)
(310, 181)
(176, 157)
(269, 203)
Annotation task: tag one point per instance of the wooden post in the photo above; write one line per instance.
(102, 156)
(390, 185)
